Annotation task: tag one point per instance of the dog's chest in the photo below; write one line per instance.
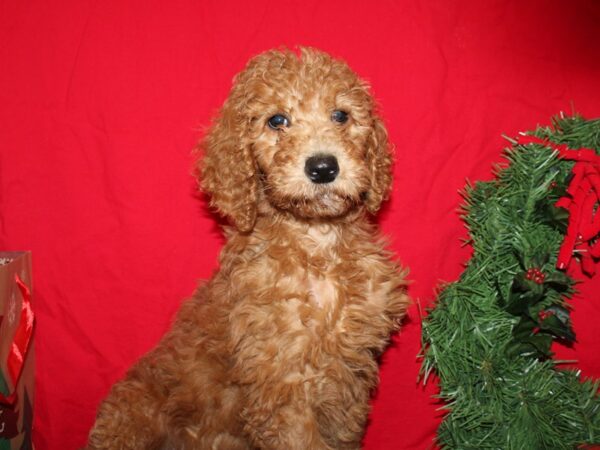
(311, 286)
(322, 282)
(323, 292)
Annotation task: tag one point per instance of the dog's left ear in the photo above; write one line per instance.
(379, 160)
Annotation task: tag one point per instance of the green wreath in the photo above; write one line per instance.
(488, 338)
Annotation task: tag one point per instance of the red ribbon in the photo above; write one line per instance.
(21, 341)
(582, 201)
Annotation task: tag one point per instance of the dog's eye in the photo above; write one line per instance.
(339, 116)
(278, 121)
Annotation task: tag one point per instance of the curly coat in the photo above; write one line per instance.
(279, 349)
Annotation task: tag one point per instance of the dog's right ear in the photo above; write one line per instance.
(379, 159)
(228, 170)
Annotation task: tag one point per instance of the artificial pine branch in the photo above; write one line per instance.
(488, 338)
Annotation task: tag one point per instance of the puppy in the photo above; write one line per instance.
(279, 349)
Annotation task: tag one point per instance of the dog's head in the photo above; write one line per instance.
(300, 133)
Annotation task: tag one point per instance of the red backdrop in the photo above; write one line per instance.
(101, 104)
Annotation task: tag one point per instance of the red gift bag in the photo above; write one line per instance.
(16, 351)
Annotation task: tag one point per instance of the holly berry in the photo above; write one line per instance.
(543, 315)
(536, 275)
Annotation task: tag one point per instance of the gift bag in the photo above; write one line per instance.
(16, 351)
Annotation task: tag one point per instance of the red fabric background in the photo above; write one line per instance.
(101, 104)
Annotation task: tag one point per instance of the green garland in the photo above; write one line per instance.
(489, 335)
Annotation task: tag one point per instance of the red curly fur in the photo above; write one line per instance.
(278, 350)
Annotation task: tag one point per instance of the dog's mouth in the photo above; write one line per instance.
(322, 202)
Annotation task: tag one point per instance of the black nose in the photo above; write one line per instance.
(321, 168)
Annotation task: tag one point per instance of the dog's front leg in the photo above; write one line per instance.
(277, 411)
(276, 426)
